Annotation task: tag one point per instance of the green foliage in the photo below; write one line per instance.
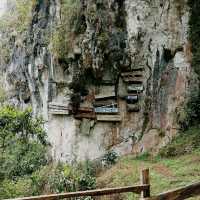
(60, 180)
(15, 188)
(194, 23)
(110, 158)
(87, 180)
(184, 143)
(190, 115)
(63, 178)
(22, 143)
(144, 156)
(103, 40)
(50, 179)
(17, 19)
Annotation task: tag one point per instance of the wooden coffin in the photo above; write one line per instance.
(86, 109)
(133, 80)
(135, 88)
(108, 110)
(132, 99)
(132, 74)
(83, 109)
(85, 115)
(57, 104)
(105, 92)
(133, 108)
(59, 112)
(109, 118)
(58, 108)
(141, 68)
(108, 102)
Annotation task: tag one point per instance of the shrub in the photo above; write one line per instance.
(12, 188)
(190, 115)
(23, 143)
(110, 158)
(185, 142)
(86, 179)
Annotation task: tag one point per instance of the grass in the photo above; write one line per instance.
(167, 172)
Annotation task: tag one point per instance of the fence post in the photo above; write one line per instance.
(144, 180)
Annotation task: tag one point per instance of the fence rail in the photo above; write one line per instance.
(179, 193)
(143, 189)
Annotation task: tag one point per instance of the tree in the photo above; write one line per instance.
(23, 143)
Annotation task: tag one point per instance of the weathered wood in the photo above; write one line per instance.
(141, 68)
(100, 192)
(56, 108)
(105, 103)
(107, 110)
(135, 88)
(83, 109)
(144, 180)
(105, 92)
(133, 107)
(85, 115)
(136, 80)
(132, 74)
(180, 193)
(105, 96)
(132, 99)
(59, 112)
(57, 104)
(109, 118)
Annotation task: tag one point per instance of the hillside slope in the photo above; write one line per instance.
(177, 167)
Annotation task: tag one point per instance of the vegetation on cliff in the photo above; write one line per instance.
(193, 105)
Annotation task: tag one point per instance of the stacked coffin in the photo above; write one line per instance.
(132, 77)
(85, 112)
(105, 105)
(134, 81)
(56, 108)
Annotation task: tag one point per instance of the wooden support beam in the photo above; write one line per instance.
(100, 192)
(144, 179)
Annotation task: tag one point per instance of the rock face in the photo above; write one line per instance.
(122, 83)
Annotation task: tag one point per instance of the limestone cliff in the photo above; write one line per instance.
(104, 74)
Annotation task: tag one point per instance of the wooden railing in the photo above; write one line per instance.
(143, 189)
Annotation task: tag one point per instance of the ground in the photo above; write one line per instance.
(165, 174)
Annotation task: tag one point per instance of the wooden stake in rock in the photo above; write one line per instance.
(144, 179)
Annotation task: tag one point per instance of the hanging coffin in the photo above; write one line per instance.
(108, 110)
(109, 118)
(85, 115)
(105, 92)
(136, 80)
(135, 88)
(133, 108)
(141, 68)
(132, 74)
(132, 99)
(105, 103)
(58, 108)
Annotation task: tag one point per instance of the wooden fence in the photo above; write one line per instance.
(143, 189)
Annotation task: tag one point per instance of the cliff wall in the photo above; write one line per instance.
(104, 74)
